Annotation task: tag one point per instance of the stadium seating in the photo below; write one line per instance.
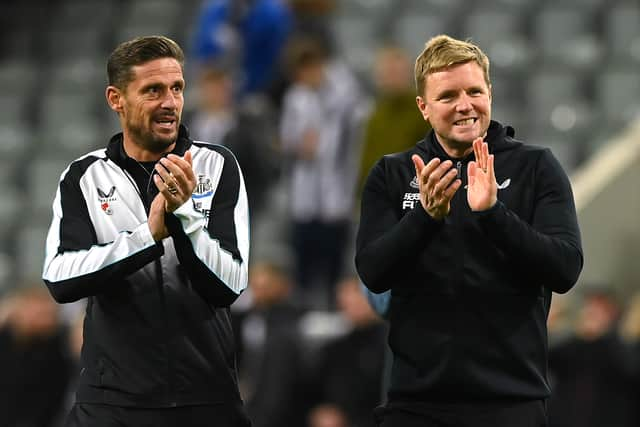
(565, 74)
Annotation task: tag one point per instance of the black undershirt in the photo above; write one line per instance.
(142, 172)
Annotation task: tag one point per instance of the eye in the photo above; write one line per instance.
(177, 89)
(446, 96)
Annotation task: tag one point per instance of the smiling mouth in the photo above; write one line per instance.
(166, 122)
(465, 122)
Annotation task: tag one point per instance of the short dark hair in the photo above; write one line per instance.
(302, 52)
(139, 51)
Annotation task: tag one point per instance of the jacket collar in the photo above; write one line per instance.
(499, 138)
(116, 153)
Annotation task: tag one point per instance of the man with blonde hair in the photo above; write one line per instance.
(472, 231)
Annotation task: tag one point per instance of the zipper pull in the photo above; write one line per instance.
(459, 169)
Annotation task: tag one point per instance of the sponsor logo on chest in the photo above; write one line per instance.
(106, 200)
(410, 199)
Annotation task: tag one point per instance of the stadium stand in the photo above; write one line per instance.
(565, 73)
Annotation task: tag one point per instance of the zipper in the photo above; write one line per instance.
(458, 206)
(167, 334)
(163, 300)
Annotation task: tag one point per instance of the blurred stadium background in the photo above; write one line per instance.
(565, 75)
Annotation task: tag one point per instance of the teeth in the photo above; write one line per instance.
(465, 122)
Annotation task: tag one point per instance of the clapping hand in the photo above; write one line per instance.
(175, 180)
(437, 183)
(482, 191)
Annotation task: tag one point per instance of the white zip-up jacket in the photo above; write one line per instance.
(157, 329)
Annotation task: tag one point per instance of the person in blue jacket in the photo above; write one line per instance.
(250, 35)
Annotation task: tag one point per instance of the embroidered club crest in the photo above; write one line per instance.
(202, 194)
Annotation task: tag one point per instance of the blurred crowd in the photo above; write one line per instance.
(594, 359)
(265, 80)
(268, 82)
(301, 366)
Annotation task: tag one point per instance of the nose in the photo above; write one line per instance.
(169, 101)
(464, 103)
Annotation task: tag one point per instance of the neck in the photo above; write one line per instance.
(457, 151)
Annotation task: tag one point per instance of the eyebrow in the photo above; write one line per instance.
(180, 83)
(445, 93)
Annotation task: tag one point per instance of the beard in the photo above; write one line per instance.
(156, 143)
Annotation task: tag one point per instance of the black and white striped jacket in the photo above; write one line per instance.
(157, 330)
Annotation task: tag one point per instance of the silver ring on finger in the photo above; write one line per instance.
(172, 189)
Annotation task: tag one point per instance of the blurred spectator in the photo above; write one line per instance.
(591, 370)
(249, 34)
(327, 415)
(312, 18)
(35, 367)
(559, 321)
(394, 124)
(630, 323)
(351, 371)
(630, 333)
(319, 125)
(245, 128)
(271, 369)
(76, 332)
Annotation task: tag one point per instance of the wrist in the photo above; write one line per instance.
(160, 235)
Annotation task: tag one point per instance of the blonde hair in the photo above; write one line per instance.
(441, 52)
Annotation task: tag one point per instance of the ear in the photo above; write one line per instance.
(114, 98)
(422, 106)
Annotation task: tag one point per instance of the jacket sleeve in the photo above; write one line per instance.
(214, 251)
(385, 243)
(549, 248)
(76, 266)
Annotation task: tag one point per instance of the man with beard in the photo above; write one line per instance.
(153, 231)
